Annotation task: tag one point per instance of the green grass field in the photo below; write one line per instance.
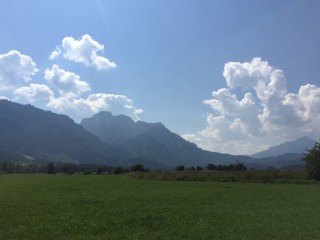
(118, 207)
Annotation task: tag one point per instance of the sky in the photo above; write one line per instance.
(235, 76)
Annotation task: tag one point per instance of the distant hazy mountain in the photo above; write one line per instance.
(298, 146)
(284, 161)
(153, 145)
(152, 142)
(115, 130)
(29, 133)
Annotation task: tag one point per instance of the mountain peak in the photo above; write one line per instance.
(304, 139)
(144, 140)
(46, 136)
(108, 115)
(297, 146)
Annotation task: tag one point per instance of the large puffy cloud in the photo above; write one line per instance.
(248, 74)
(70, 87)
(34, 92)
(94, 103)
(83, 51)
(15, 70)
(305, 105)
(64, 90)
(267, 112)
(66, 82)
(242, 113)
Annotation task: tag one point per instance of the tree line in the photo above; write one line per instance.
(212, 167)
(52, 168)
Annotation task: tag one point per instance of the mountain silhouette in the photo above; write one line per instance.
(31, 133)
(297, 146)
(144, 141)
(152, 141)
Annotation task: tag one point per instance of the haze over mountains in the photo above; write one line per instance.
(32, 134)
(151, 143)
(28, 133)
(298, 146)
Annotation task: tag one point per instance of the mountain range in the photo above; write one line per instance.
(151, 143)
(31, 134)
(297, 146)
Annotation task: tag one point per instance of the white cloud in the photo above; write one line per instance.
(192, 137)
(3, 98)
(34, 92)
(66, 82)
(239, 117)
(117, 104)
(83, 51)
(15, 69)
(267, 110)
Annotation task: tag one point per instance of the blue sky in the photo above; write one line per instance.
(232, 76)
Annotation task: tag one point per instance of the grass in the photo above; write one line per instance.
(263, 176)
(118, 207)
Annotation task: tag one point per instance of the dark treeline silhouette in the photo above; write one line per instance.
(211, 167)
(230, 167)
(70, 168)
(52, 168)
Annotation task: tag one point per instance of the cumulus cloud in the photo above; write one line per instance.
(15, 70)
(83, 51)
(3, 98)
(242, 113)
(94, 103)
(192, 137)
(267, 109)
(248, 74)
(66, 82)
(34, 92)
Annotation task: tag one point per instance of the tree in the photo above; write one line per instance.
(180, 168)
(137, 168)
(211, 167)
(50, 168)
(99, 170)
(312, 160)
(65, 168)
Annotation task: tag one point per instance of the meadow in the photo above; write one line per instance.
(42, 206)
